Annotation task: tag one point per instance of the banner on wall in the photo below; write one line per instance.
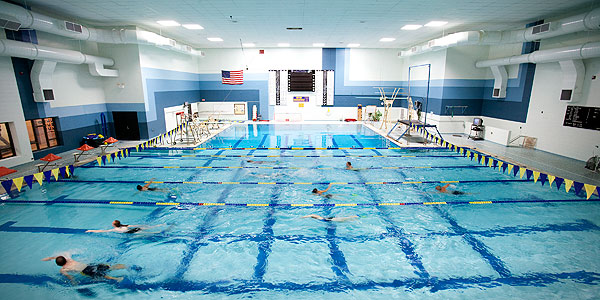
(300, 99)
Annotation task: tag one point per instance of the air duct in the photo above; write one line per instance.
(33, 20)
(581, 22)
(568, 57)
(41, 80)
(36, 52)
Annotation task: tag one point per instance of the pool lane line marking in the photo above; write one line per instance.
(291, 183)
(480, 247)
(143, 203)
(250, 286)
(294, 148)
(403, 241)
(279, 168)
(287, 156)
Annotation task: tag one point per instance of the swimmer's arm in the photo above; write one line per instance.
(445, 187)
(64, 272)
(49, 258)
(100, 230)
(327, 189)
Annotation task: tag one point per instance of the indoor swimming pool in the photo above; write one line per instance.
(229, 216)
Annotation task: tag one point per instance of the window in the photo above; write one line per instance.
(42, 133)
(7, 148)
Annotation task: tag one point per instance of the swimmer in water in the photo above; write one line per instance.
(444, 189)
(322, 193)
(146, 187)
(330, 219)
(123, 228)
(69, 265)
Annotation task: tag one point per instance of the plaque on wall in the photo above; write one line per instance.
(582, 117)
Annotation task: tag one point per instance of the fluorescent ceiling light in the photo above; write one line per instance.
(215, 39)
(318, 44)
(192, 26)
(168, 23)
(411, 27)
(248, 45)
(283, 45)
(353, 45)
(436, 23)
(387, 39)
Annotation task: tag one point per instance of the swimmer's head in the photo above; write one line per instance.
(437, 187)
(139, 187)
(117, 223)
(60, 261)
(315, 191)
(348, 164)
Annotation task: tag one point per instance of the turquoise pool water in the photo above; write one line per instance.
(517, 249)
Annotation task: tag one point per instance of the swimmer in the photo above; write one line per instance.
(123, 228)
(444, 189)
(146, 187)
(349, 166)
(322, 193)
(69, 265)
(331, 219)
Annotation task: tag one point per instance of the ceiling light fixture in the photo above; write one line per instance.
(283, 45)
(168, 23)
(353, 45)
(436, 23)
(248, 45)
(193, 26)
(411, 27)
(215, 39)
(387, 39)
(318, 44)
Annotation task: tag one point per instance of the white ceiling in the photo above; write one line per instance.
(333, 22)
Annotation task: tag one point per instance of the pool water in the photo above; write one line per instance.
(516, 249)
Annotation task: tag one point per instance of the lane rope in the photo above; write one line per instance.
(292, 183)
(291, 205)
(278, 168)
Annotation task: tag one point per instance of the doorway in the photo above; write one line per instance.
(126, 125)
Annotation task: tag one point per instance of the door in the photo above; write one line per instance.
(126, 125)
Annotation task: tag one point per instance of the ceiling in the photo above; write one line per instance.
(333, 22)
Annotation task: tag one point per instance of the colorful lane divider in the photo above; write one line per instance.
(280, 168)
(208, 155)
(40, 178)
(291, 205)
(505, 167)
(299, 148)
(293, 183)
(66, 171)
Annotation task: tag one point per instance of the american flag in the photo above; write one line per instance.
(232, 77)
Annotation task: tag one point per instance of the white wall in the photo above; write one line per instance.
(11, 111)
(375, 65)
(437, 59)
(154, 57)
(460, 62)
(273, 59)
(127, 61)
(546, 113)
(73, 84)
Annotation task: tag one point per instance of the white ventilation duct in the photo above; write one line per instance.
(581, 22)
(41, 80)
(37, 52)
(33, 20)
(570, 62)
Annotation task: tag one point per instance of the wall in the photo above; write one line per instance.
(546, 113)
(12, 112)
(80, 97)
